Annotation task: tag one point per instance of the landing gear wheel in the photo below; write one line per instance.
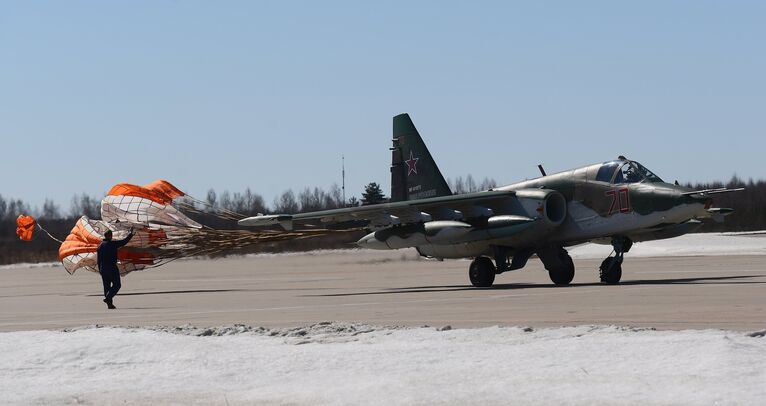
(563, 275)
(611, 270)
(482, 272)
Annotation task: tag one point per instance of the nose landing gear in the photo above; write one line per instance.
(610, 270)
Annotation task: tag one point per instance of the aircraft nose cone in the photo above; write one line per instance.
(692, 205)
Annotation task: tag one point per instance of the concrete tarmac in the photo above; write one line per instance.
(392, 288)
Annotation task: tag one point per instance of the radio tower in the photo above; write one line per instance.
(343, 176)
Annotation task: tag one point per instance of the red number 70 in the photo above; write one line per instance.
(620, 201)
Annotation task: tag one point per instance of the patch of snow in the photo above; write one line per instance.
(703, 244)
(352, 364)
(323, 252)
(27, 265)
(762, 232)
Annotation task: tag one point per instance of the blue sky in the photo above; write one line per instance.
(270, 94)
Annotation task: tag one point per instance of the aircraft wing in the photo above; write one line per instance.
(386, 214)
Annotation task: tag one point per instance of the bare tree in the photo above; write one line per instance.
(18, 207)
(248, 203)
(254, 203)
(84, 205)
(487, 183)
(226, 201)
(334, 198)
(305, 200)
(458, 188)
(470, 185)
(50, 210)
(286, 203)
(211, 198)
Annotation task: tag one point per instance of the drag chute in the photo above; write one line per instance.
(79, 249)
(162, 233)
(146, 205)
(25, 227)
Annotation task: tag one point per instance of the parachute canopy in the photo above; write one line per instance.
(160, 191)
(79, 250)
(148, 204)
(162, 233)
(25, 227)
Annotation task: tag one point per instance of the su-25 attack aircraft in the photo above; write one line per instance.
(618, 202)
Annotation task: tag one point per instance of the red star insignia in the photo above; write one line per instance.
(412, 165)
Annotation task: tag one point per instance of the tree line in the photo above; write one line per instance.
(749, 213)
(81, 205)
(749, 205)
(248, 202)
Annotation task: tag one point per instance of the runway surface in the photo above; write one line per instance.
(392, 288)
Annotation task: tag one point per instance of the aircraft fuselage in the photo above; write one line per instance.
(595, 210)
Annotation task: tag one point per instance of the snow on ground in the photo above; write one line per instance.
(347, 364)
(31, 265)
(703, 244)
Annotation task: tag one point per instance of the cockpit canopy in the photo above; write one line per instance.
(625, 171)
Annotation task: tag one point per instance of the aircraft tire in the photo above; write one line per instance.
(482, 272)
(611, 272)
(563, 276)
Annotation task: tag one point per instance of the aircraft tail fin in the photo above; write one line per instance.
(414, 174)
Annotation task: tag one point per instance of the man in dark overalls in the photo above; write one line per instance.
(107, 265)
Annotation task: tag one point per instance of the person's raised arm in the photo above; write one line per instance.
(125, 240)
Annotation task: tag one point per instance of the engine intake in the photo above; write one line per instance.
(552, 205)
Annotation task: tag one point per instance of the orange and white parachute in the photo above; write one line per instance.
(160, 229)
(162, 233)
(79, 250)
(148, 205)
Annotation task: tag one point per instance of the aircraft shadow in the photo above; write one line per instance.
(141, 308)
(712, 280)
(172, 292)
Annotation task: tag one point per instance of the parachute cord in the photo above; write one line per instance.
(231, 214)
(49, 234)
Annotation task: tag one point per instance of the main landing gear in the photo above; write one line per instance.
(482, 271)
(556, 259)
(610, 270)
(559, 264)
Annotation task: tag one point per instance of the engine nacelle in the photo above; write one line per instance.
(550, 205)
(543, 210)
